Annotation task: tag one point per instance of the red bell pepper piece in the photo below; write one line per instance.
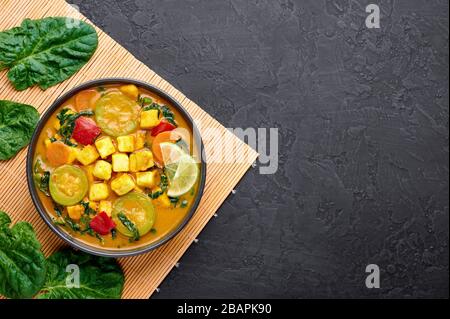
(85, 130)
(163, 126)
(102, 224)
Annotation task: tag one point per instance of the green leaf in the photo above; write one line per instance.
(100, 277)
(41, 177)
(17, 124)
(67, 122)
(47, 51)
(130, 226)
(22, 264)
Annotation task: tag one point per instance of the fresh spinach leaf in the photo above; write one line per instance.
(67, 120)
(130, 226)
(58, 209)
(46, 51)
(22, 264)
(100, 277)
(155, 194)
(168, 114)
(88, 210)
(17, 124)
(174, 200)
(41, 177)
(164, 182)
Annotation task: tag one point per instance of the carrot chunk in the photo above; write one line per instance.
(58, 154)
(86, 100)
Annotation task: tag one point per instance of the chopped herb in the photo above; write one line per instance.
(88, 230)
(53, 139)
(168, 114)
(67, 121)
(113, 233)
(74, 226)
(192, 191)
(174, 200)
(130, 226)
(184, 204)
(58, 222)
(100, 238)
(85, 220)
(88, 210)
(44, 182)
(153, 231)
(155, 195)
(101, 89)
(164, 183)
(58, 210)
(41, 177)
(145, 101)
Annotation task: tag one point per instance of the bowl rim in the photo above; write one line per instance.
(78, 244)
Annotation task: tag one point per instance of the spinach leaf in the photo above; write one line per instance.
(164, 182)
(88, 210)
(155, 194)
(67, 120)
(168, 114)
(130, 226)
(174, 200)
(17, 123)
(41, 177)
(100, 277)
(22, 264)
(47, 51)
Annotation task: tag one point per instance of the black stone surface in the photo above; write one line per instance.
(363, 121)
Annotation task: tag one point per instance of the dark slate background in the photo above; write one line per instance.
(363, 119)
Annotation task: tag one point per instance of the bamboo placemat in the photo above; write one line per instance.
(143, 274)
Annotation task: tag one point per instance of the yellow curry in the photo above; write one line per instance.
(115, 167)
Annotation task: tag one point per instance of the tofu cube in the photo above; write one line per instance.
(146, 179)
(98, 191)
(130, 90)
(87, 155)
(93, 205)
(122, 184)
(56, 125)
(139, 142)
(105, 146)
(149, 118)
(125, 143)
(47, 142)
(141, 161)
(89, 170)
(163, 200)
(75, 212)
(120, 162)
(105, 206)
(72, 155)
(102, 170)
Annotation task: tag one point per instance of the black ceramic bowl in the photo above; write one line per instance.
(109, 252)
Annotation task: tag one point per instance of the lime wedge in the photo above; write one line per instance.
(171, 153)
(181, 169)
